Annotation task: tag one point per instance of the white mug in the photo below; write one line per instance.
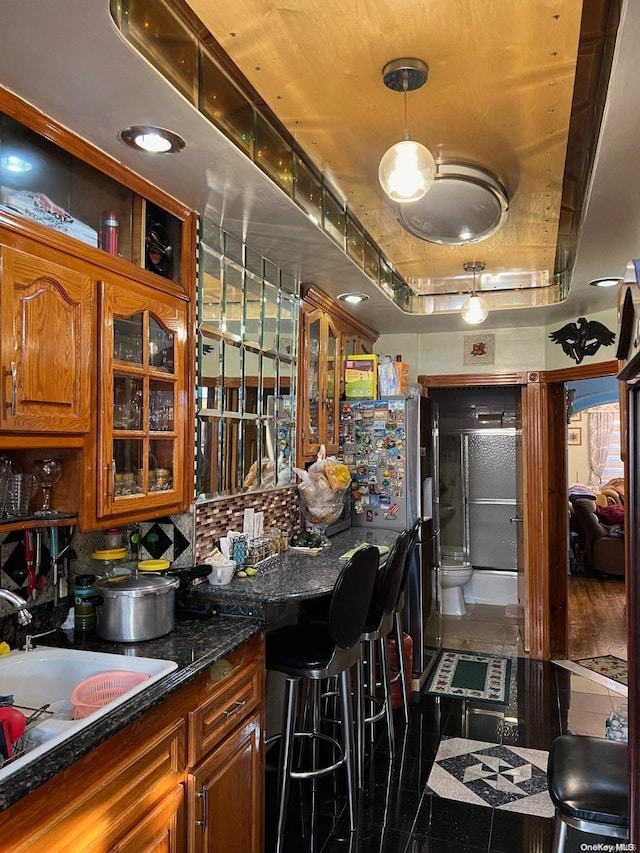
(222, 573)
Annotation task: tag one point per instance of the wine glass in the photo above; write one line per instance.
(47, 472)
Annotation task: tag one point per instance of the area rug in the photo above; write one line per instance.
(468, 675)
(607, 665)
(509, 778)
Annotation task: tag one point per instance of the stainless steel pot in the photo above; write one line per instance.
(134, 608)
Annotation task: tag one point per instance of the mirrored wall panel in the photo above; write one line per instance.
(248, 331)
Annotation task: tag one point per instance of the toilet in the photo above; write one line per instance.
(455, 572)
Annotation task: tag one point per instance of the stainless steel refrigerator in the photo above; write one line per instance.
(391, 448)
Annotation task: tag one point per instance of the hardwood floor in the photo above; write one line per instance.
(597, 618)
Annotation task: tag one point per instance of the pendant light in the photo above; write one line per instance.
(407, 170)
(475, 310)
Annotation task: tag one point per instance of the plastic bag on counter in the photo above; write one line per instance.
(337, 474)
(320, 501)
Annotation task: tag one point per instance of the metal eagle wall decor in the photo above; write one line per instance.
(582, 338)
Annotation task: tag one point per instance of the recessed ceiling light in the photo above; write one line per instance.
(353, 298)
(153, 140)
(609, 281)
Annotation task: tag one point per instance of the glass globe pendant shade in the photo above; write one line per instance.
(475, 310)
(407, 170)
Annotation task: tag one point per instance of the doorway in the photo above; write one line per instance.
(480, 508)
(596, 578)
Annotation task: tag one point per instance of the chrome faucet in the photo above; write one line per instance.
(24, 616)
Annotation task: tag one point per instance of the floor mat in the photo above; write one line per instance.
(487, 774)
(607, 665)
(468, 675)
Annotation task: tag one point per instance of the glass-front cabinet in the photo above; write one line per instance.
(143, 398)
(322, 369)
(329, 335)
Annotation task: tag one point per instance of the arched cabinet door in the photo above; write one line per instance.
(46, 351)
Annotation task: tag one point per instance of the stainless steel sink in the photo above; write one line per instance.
(41, 682)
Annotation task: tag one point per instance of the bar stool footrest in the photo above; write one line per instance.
(319, 771)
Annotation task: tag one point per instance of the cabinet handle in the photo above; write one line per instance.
(204, 794)
(235, 708)
(113, 480)
(13, 373)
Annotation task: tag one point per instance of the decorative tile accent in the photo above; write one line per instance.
(215, 517)
(158, 543)
(493, 775)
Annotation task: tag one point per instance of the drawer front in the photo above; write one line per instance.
(230, 702)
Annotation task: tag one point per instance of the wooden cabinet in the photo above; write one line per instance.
(328, 335)
(156, 786)
(98, 802)
(143, 400)
(45, 313)
(97, 354)
(162, 830)
(226, 794)
(225, 788)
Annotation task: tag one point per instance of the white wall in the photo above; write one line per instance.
(522, 349)
(578, 462)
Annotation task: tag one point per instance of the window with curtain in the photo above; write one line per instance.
(613, 466)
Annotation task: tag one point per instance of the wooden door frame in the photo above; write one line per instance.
(544, 486)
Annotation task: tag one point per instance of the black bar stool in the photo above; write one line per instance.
(398, 629)
(315, 651)
(588, 781)
(379, 624)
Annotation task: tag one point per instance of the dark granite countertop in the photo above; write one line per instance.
(194, 644)
(300, 576)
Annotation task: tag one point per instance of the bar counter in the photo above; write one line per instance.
(298, 576)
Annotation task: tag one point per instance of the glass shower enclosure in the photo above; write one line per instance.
(479, 485)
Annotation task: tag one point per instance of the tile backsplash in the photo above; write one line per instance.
(213, 518)
(169, 538)
(184, 540)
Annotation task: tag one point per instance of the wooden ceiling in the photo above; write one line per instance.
(514, 87)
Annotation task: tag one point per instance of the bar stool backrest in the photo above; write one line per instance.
(414, 534)
(391, 575)
(351, 597)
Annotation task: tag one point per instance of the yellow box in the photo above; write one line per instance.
(361, 377)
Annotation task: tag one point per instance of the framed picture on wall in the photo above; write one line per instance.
(479, 349)
(574, 435)
(575, 419)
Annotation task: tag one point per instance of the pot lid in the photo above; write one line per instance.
(153, 565)
(135, 585)
(109, 554)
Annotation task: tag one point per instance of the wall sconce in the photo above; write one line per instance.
(407, 170)
(475, 310)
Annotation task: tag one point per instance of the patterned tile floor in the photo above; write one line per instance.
(400, 813)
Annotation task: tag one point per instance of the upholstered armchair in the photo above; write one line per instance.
(601, 544)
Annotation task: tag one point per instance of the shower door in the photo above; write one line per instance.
(491, 464)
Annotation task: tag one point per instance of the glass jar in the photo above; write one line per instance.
(107, 561)
(84, 611)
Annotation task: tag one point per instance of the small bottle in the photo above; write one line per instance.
(110, 232)
(84, 611)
